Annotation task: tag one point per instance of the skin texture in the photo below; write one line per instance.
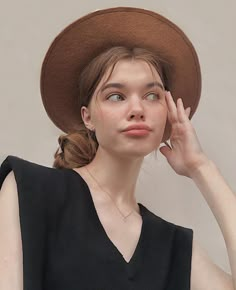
(122, 158)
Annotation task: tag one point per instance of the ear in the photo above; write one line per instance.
(86, 117)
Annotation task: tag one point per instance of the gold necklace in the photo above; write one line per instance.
(124, 217)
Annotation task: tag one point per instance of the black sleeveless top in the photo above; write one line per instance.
(65, 246)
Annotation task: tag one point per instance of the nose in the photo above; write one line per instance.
(136, 109)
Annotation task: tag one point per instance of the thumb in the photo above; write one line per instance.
(165, 151)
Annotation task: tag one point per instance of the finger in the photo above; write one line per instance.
(172, 110)
(188, 110)
(167, 144)
(171, 103)
(182, 116)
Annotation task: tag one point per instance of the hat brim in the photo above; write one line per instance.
(95, 32)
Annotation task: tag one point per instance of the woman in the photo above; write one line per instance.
(78, 225)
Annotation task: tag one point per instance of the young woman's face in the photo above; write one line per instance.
(128, 102)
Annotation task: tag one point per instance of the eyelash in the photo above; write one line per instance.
(118, 94)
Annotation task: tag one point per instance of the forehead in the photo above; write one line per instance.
(138, 66)
(130, 70)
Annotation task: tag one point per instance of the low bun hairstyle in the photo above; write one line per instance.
(78, 149)
(75, 149)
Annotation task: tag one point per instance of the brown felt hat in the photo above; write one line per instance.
(95, 32)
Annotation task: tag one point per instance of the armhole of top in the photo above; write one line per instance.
(8, 165)
(31, 198)
(184, 244)
(181, 259)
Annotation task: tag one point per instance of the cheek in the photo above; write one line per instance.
(106, 121)
(160, 115)
(109, 115)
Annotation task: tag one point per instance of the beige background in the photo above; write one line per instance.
(27, 29)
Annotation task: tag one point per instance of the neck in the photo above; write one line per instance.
(116, 176)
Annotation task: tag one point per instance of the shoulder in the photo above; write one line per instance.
(9, 181)
(179, 238)
(166, 225)
(20, 170)
(173, 245)
(37, 185)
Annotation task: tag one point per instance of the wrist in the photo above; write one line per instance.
(201, 167)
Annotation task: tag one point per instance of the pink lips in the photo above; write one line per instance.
(138, 127)
(137, 132)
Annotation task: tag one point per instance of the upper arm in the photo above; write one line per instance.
(205, 274)
(11, 264)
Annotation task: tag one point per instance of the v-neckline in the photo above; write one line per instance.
(105, 236)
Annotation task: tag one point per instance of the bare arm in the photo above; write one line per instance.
(11, 258)
(222, 202)
(205, 274)
(187, 158)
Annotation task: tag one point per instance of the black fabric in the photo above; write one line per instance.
(65, 246)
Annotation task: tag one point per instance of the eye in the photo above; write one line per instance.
(109, 97)
(156, 96)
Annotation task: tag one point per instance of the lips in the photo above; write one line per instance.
(137, 127)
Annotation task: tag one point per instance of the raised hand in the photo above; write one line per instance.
(186, 154)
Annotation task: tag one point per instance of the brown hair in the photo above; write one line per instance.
(77, 149)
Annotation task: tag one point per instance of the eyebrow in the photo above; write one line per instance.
(120, 86)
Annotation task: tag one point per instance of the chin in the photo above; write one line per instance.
(137, 152)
